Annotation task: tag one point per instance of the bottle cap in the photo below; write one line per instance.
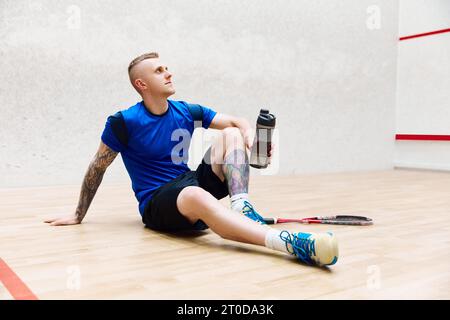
(264, 111)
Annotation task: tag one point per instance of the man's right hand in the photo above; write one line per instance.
(63, 221)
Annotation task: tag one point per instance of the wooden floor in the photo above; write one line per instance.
(404, 255)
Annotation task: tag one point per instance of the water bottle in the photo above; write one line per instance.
(259, 157)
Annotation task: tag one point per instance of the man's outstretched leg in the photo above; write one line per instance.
(196, 204)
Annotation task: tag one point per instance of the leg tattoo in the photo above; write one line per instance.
(236, 172)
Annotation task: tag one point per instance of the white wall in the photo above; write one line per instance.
(328, 77)
(423, 99)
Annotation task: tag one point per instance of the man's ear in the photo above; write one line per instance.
(140, 84)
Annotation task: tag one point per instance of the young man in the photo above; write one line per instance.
(172, 197)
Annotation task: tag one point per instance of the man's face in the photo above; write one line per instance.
(153, 76)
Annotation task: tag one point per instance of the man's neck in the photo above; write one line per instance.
(156, 105)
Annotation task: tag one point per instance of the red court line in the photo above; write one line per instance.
(16, 287)
(422, 137)
(424, 34)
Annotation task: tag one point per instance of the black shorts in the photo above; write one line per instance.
(161, 212)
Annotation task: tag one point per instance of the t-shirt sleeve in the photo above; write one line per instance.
(109, 137)
(207, 114)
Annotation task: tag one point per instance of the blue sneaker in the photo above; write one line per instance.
(251, 213)
(312, 248)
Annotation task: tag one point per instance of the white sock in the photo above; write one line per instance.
(274, 242)
(237, 201)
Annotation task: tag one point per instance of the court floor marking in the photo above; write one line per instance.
(16, 287)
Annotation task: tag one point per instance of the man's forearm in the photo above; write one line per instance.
(91, 182)
(92, 179)
(242, 124)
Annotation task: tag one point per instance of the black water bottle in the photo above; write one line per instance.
(259, 157)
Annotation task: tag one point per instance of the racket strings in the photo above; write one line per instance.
(352, 218)
(345, 220)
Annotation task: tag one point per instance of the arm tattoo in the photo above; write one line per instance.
(236, 171)
(92, 180)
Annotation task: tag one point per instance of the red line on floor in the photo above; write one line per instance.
(16, 287)
(435, 137)
(424, 34)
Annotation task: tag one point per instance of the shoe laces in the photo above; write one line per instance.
(250, 212)
(302, 246)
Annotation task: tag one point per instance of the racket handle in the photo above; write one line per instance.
(270, 220)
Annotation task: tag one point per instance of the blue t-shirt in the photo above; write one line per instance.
(157, 146)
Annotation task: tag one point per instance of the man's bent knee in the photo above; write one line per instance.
(232, 138)
(232, 133)
(192, 201)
